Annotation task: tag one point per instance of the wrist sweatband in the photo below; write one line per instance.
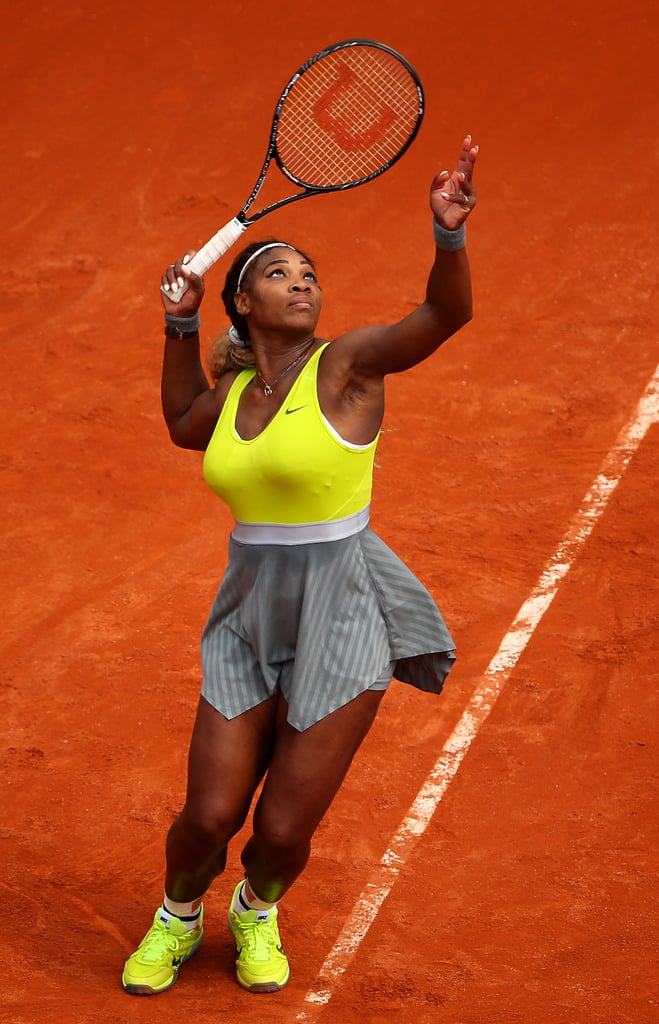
(449, 241)
(184, 324)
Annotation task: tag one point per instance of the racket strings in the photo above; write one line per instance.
(347, 117)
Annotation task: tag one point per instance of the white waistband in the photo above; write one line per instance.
(301, 533)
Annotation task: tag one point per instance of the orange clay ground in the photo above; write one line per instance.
(132, 131)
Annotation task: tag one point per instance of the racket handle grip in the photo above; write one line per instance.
(210, 253)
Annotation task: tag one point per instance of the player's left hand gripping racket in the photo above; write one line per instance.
(344, 118)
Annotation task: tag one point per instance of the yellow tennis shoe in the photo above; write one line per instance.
(261, 964)
(154, 965)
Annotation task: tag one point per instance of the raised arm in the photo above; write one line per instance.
(377, 351)
(189, 405)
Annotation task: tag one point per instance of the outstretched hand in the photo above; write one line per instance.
(452, 196)
(175, 274)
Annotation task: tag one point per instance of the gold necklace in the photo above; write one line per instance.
(267, 388)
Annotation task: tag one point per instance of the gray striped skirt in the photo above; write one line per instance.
(321, 623)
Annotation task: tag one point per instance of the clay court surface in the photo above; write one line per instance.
(133, 131)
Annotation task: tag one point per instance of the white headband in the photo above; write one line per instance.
(255, 255)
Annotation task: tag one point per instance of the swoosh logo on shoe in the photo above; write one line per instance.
(296, 409)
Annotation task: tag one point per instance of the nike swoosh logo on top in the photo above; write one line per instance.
(296, 409)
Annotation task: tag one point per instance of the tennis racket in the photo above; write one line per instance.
(344, 118)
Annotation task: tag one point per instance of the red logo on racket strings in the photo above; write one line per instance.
(335, 111)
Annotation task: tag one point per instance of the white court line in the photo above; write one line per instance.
(497, 673)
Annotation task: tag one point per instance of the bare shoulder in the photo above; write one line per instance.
(351, 396)
(343, 361)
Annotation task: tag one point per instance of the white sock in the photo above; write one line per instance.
(242, 905)
(186, 912)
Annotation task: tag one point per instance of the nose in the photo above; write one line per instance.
(301, 285)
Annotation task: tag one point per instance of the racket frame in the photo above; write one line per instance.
(229, 234)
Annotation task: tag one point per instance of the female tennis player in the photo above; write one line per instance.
(315, 614)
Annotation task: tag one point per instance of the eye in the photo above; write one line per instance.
(311, 276)
(275, 272)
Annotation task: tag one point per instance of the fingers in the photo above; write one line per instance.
(452, 195)
(457, 188)
(178, 273)
(467, 157)
(181, 287)
(440, 180)
(463, 196)
(465, 164)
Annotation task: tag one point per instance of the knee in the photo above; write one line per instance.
(209, 824)
(282, 835)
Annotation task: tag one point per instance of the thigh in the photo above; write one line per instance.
(227, 759)
(307, 768)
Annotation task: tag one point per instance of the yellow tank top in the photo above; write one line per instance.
(297, 470)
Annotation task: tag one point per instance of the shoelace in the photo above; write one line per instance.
(261, 939)
(158, 941)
